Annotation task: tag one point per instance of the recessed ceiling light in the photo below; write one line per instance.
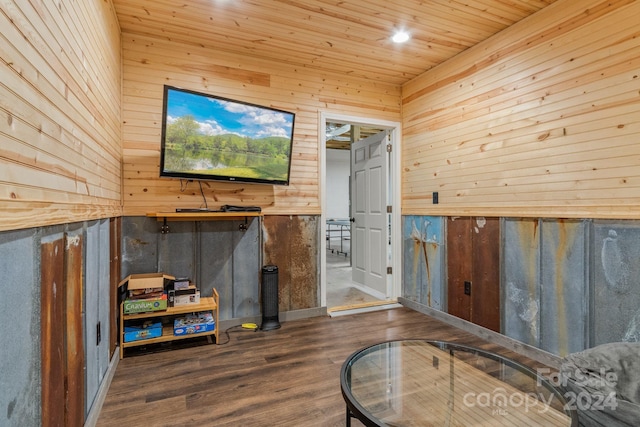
(400, 36)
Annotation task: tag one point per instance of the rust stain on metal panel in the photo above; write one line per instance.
(420, 247)
(291, 242)
(303, 264)
(566, 235)
(52, 335)
(528, 234)
(485, 241)
(458, 254)
(74, 333)
(525, 303)
(430, 251)
(276, 252)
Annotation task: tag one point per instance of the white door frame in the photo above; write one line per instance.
(393, 172)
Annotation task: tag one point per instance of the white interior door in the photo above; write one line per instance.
(369, 230)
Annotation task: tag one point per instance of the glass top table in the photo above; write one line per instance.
(437, 383)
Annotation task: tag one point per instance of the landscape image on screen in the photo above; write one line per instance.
(217, 138)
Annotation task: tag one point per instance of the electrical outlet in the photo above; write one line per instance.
(434, 196)
(467, 288)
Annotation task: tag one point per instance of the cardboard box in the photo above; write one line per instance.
(145, 293)
(180, 284)
(186, 299)
(130, 306)
(146, 281)
(143, 285)
(178, 297)
(142, 331)
(194, 323)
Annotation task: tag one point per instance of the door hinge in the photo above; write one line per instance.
(389, 209)
(389, 270)
(389, 148)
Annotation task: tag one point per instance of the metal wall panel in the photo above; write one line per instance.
(74, 326)
(139, 245)
(616, 282)
(104, 300)
(177, 250)
(92, 310)
(460, 265)
(52, 333)
(545, 283)
(292, 243)
(218, 263)
(485, 281)
(520, 280)
(221, 254)
(564, 286)
(246, 269)
(423, 269)
(74, 262)
(229, 260)
(20, 381)
(305, 275)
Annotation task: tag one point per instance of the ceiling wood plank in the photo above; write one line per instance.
(347, 37)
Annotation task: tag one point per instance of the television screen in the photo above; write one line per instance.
(209, 137)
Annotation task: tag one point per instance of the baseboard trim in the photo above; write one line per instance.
(283, 316)
(303, 314)
(96, 408)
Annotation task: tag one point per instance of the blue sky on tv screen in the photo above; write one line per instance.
(218, 117)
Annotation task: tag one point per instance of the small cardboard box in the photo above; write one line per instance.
(130, 306)
(178, 297)
(194, 323)
(146, 281)
(142, 331)
(181, 283)
(186, 299)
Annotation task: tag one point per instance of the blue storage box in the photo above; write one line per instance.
(142, 331)
(194, 324)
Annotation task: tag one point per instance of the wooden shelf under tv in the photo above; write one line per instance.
(203, 216)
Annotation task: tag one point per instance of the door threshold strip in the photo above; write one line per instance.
(344, 310)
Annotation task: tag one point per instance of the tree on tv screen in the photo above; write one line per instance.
(188, 149)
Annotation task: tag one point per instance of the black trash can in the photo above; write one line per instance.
(270, 317)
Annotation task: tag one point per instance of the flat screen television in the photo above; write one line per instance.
(207, 137)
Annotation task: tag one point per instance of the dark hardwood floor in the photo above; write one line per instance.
(283, 377)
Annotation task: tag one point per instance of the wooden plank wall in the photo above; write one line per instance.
(151, 63)
(542, 120)
(60, 111)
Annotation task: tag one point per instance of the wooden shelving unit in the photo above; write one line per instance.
(206, 304)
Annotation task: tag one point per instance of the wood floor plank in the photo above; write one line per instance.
(283, 377)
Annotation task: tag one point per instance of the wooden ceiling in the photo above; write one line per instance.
(332, 36)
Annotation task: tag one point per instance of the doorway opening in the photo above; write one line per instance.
(358, 260)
